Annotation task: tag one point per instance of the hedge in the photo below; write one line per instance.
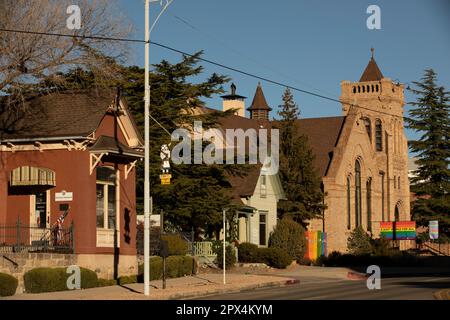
(8, 285)
(55, 279)
(274, 257)
(176, 266)
(230, 256)
(248, 253)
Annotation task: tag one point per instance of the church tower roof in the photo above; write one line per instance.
(372, 72)
(259, 101)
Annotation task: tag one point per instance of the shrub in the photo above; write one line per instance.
(289, 236)
(177, 245)
(230, 256)
(127, 280)
(276, 257)
(358, 243)
(176, 266)
(381, 247)
(8, 285)
(55, 279)
(248, 252)
(106, 282)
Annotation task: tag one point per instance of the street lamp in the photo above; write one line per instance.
(147, 206)
(243, 209)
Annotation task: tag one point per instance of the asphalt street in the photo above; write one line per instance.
(315, 288)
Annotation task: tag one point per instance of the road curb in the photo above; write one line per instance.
(272, 284)
(356, 276)
(442, 294)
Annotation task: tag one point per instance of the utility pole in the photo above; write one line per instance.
(147, 205)
(147, 153)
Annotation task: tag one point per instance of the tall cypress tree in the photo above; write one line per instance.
(430, 117)
(300, 181)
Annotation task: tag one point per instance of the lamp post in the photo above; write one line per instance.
(147, 206)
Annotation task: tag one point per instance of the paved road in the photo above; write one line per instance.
(314, 288)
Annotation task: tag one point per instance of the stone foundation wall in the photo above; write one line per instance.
(17, 264)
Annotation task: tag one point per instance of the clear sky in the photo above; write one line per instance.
(312, 45)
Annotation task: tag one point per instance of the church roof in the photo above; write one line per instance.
(372, 72)
(259, 101)
(323, 134)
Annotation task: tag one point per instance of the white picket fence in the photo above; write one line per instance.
(204, 249)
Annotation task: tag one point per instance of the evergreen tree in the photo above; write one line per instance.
(358, 243)
(430, 117)
(301, 183)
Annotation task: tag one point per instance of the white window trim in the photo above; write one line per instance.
(105, 236)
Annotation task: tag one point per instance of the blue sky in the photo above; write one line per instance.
(312, 45)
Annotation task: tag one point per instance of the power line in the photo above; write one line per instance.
(199, 58)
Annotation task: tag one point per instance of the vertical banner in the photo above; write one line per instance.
(316, 244)
(434, 229)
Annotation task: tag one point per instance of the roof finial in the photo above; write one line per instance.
(372, 50)
(233, 89)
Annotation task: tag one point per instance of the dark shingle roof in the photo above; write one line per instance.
(259, 101)
(372, 72)
(109, 144)
(62, 114)
(323, 134)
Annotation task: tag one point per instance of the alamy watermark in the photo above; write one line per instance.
(73, 22)
(374, 20)
(236, 146)
(374, 281)
(74, 280)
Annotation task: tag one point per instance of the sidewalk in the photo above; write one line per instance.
(179, 288)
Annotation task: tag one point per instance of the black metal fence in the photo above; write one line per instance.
(21, 238)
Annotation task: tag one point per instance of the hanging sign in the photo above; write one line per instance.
(434, 229)
(165, 178)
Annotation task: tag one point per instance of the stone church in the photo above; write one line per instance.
(366, 176)
(362, 155)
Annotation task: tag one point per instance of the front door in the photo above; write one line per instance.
(39, 216)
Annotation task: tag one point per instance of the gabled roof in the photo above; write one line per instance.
(372, 72)
(323, 134)
(259, 101)
(74, 114)
(105, 144)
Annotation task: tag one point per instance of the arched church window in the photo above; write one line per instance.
(369, 204)
(378, 135)
(368, 126)
(349, 224)
(357, 193)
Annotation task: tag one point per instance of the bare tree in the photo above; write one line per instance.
(26, 59)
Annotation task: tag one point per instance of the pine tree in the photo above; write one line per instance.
(301, 183)
(430, 117)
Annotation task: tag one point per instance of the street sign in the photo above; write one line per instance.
(165, 178)
(434, 229)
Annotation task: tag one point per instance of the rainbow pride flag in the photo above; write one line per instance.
(316, 242)
(398, 230)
